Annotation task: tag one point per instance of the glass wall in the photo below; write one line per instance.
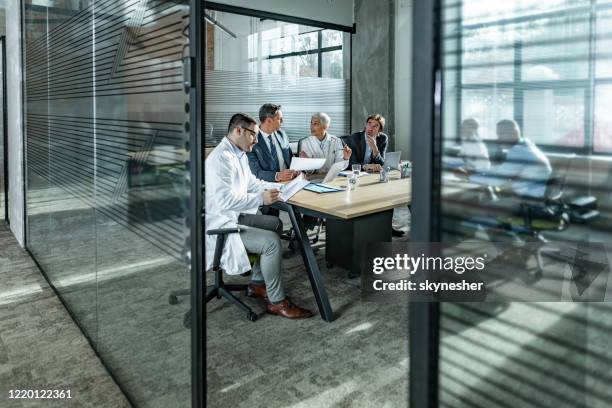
(252, 61)
(106, 133)
(526, 172)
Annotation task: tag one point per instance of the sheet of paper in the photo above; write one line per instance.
(333, 171)
(288, 190)
(306, 164)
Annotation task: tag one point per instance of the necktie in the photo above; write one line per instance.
(273, 153)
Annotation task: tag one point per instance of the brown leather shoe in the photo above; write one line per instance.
(288, 310)
(257, 290)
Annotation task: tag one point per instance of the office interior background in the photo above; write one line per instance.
(108, 104)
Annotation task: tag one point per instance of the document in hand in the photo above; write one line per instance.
(306, 164)
(288, 190)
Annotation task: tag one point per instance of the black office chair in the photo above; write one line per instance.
(219, 288)
(549, 214)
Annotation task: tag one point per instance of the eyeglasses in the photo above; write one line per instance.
(250, 130)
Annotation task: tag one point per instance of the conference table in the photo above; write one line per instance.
(353, 218)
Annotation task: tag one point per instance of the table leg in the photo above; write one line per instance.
(345, 239)
(314, 274)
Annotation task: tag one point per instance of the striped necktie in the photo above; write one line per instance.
(273, 152)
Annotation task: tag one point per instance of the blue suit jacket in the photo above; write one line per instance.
(260, 160)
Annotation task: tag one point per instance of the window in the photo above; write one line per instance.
(317, 53)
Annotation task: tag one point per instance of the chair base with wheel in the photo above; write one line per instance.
(219, 289)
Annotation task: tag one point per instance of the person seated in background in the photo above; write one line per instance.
(322, 145)
(520, 178)
(233, 195)
(270, 160)
(474, 154)
(370, 145)
(525, 170)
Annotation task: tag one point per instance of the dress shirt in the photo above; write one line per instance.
(368, 152)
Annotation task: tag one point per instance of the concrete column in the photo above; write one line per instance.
(373, 63)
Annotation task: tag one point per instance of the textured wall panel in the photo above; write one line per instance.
(105, 102)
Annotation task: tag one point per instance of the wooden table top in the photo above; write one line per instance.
(370, 196)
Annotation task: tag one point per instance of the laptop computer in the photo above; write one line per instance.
(392, 160)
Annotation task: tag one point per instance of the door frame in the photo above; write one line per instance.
(4, 130)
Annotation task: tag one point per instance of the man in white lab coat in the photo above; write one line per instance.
(233, 195)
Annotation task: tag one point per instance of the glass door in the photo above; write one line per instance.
(525, 173)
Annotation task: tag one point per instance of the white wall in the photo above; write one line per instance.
(403, 75)
(14, 119)
(329, 11)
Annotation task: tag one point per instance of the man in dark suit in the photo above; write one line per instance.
(271, 156)
(369, 146)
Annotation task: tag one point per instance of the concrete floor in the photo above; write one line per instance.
(41, 348)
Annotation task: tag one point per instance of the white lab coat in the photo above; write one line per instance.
(231, 189)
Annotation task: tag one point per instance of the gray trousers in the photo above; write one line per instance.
(262, 236)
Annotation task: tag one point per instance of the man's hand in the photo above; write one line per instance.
(303, 155)
(270, 196)
(374, 168)
(346, 151)
(371, 141)
(286, 175)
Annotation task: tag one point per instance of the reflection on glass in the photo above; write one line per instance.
(534, 201)
(489, 107)
(603, 120)
(555, 116)
(106, 163)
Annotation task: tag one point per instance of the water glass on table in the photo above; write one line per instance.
(354, 176)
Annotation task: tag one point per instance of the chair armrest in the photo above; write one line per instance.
(222, 231)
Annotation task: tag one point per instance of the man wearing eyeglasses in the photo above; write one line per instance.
(233, 196)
